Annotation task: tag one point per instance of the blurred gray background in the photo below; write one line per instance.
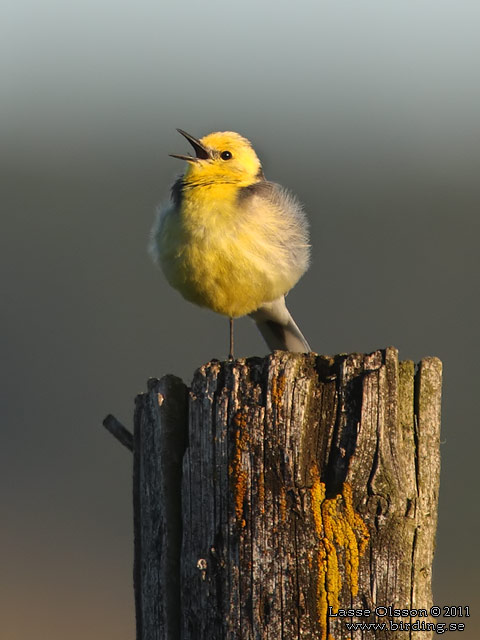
(368, 111)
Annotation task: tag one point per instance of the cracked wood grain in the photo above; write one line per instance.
(265, 437)
(160, 437)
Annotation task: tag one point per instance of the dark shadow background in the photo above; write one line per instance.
(368, 111)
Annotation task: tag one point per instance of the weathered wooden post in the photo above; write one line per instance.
(277, 494)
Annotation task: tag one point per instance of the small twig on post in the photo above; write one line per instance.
(121, 433)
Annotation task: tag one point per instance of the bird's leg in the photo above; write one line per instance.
(230, 353)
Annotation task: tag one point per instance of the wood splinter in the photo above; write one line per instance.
(121, 433)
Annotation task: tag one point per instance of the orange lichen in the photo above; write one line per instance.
(283, 505)
(261, 491)
(237, 471)
(278, 388)
(340, 530)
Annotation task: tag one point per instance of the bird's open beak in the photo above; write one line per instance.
(202, 152)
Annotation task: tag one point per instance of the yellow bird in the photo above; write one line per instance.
(231, 241)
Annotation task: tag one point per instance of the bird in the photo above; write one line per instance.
(231, 241)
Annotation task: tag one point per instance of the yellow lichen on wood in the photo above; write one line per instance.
(317, 494)
(340, 530)
(333, 581)
(322, 598)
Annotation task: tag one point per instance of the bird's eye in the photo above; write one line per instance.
(225, 155)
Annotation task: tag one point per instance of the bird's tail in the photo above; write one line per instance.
(278, 327)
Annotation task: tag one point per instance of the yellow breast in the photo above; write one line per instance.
(222, 256)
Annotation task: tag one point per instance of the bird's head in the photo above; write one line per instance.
(221, 157)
